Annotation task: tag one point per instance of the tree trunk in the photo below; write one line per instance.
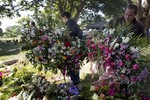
(143, 14)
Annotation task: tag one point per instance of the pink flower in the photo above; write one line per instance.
(120, 63)
(44, 37)
(135, 66)
(89, 42)
(93, 46)
(90, 55)
(101, 47)
(107, 51)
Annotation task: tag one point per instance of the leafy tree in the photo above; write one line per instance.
(76, 7)
(88, 10)
(13, 31)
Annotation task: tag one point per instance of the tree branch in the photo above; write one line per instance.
(79, 9)
(61, 10)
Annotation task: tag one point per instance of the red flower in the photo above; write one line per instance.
(127, 56)
(67, 44)
(1, 75)
(96, 88)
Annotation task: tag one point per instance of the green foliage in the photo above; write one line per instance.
(16, 77)
(13, 31)
(55, 8)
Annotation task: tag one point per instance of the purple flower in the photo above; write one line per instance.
(111, 92)
(133, 79)
(143, 74)
(44, 37)
(123, 47)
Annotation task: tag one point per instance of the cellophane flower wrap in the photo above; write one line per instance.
(116, 52)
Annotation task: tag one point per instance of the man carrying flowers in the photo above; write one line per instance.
(74, 31)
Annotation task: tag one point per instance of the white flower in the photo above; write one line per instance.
(49, 50)
(61, 51)
(44, 27)
(125, 39)
(45, 85)
(31, 87)
(95, 96)
(92, 88)
(63, 47)
(42, 89)
(39, 79)
(111, 31)
(25, 95)
(114, 41)
(134, 49)
(57, 30)
(79, 45)
(116, 45)
(43, 81)
(74, 42)
(68, 53)
(123, 70)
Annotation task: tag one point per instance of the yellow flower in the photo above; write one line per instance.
(64, 57)
(58, 41)
(36, 58)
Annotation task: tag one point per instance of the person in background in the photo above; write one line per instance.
(129, 19)
(74, 31)
(72, 26)
(33, 29)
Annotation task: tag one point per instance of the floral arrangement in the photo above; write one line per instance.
(36, 89)
(55, 50)
(115, 51)
(39, 88)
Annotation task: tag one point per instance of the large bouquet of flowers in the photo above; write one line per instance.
(115, 50)
(55, 51)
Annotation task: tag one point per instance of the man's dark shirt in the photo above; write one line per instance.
(135, 26)
(74, 28)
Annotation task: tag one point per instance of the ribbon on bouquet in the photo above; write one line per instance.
(74, 90)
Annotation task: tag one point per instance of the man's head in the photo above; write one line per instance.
(66, 16)
(32, 24)
(130, 13)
